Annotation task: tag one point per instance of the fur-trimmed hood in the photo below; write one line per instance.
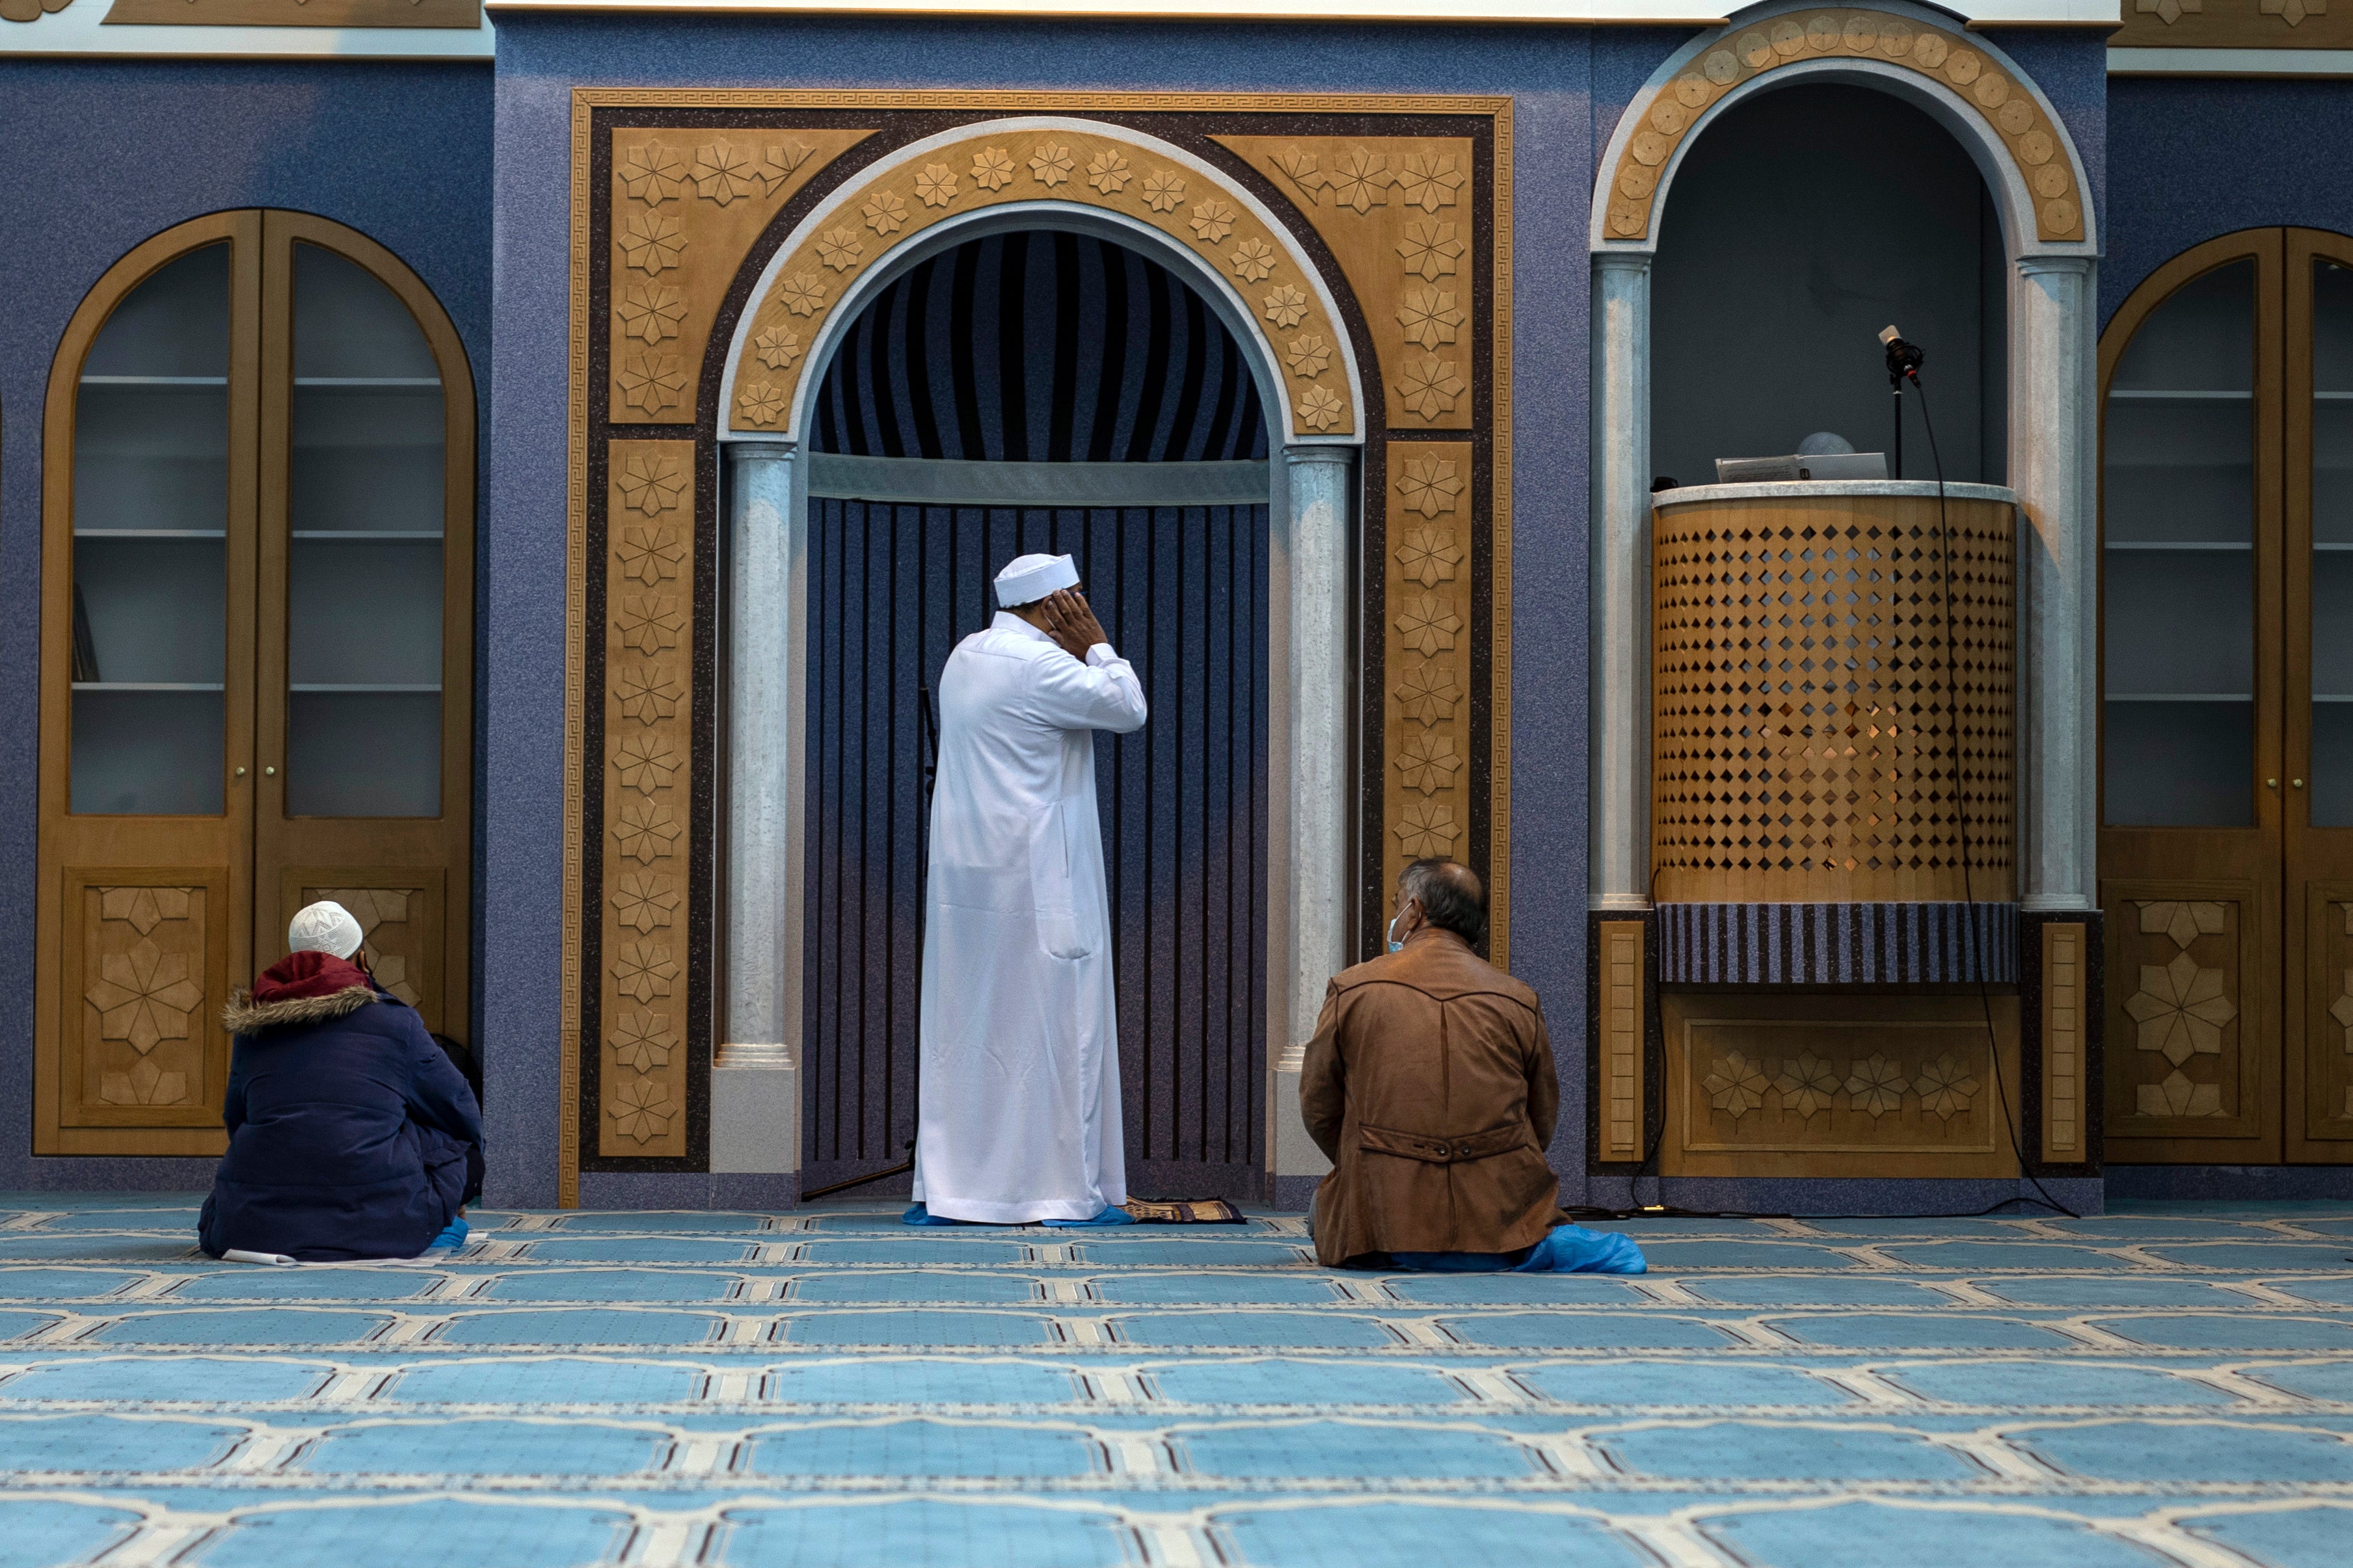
(300, 988)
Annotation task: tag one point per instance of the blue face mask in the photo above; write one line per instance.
(1394, 945)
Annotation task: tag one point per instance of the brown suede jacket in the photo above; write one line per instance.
(1430, 1087)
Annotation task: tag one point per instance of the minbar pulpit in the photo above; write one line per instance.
(1831, 975)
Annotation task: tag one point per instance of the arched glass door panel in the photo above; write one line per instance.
(2179, 731)
(151, 500)
(364, 597)
(2331, 640)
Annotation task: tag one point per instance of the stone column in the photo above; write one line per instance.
(755, 1103)
(1617, 717)
(2054, 443)
(1315, 803)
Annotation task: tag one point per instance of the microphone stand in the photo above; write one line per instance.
(1903, 360)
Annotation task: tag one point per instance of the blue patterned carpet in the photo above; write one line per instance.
(2164, 1385)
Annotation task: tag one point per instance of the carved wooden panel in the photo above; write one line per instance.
(401, 912)
(687, 206)
(2065, 990)
(1396, 211)
(1954, 59)
(467, 14)
(2179, 1064)
(1813, 1084)
(2233, 25)
(647, 678)
(30, 10)
(2328, 1018)
(1093, 165)
(1803, 713)
(1621, 1037)
(145, 980)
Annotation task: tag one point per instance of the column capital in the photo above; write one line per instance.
(762, 447)
(2032, 265)
(1319, 452)
(1622, 260)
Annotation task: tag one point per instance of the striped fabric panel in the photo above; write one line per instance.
(1040, 348)
(1835, 944)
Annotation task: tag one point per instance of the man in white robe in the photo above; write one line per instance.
(1020, 1034)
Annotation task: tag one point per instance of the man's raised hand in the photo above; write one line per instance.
(1071, 623)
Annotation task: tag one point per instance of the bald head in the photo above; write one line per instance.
(1450, 896)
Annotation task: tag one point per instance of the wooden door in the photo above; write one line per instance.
(188, 442)
(2318, 970)
(364, 611)
(2190, 729)
(147, 788)
(2226, 854)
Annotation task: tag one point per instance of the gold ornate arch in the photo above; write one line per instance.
(2003, 101)
(1090, 166)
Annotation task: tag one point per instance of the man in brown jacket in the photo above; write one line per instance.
(1429, 1085)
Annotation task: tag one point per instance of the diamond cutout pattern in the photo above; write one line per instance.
(1802, 722)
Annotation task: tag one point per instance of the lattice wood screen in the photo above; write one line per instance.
(1802, 722)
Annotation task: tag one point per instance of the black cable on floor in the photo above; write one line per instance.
(1960, 804)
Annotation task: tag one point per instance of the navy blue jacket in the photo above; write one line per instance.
(351, 1134)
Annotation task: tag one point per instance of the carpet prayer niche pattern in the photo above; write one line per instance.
(827, 1387)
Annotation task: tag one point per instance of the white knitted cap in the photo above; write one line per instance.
(1028, 578)
(323, 927)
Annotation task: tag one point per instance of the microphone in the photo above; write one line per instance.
(1903, 358)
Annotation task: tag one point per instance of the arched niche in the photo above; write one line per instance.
(1769, 292)
(2009, 128)
(1047, 174)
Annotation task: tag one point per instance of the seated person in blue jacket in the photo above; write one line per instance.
(351, 1134)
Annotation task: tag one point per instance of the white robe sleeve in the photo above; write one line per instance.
(1100, 694)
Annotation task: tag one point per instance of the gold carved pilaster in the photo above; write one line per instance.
(648, 680)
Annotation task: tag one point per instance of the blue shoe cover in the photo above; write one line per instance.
(1573, 1249)
(919, 1214)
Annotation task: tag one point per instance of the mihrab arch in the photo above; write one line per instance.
(1357, 248)
(1152, 197)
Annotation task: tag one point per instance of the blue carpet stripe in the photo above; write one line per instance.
(2168, 1386)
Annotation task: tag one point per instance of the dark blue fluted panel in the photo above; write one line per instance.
(1837, 944)
(1041, 347)
(1181, 592)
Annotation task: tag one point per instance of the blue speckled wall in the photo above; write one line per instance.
(102, 156)
(2198, 157)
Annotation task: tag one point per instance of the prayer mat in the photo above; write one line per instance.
(1184, 1211)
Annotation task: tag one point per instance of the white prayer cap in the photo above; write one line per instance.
(1029, 578)
(323, 927)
